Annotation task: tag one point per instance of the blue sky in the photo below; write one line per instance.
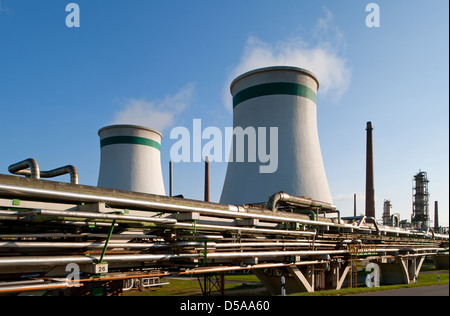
(172, 61)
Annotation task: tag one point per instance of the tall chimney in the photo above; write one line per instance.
(370, 191)
(207, 179)
(436, 215)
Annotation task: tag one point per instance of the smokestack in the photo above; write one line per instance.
(354, 205)
(207, 179)
(370, 191)
(276, 108)
(436, 215)
(131, 159)
(171, 178)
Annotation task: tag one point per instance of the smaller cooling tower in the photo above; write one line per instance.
(131, 159)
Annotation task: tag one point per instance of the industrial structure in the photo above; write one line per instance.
(284, 98)
(370, 186)
(387, 212)
(131, 159)
(74, 239)
(420, 216)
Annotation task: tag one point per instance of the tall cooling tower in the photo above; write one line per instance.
(131, 159)
(285, 98)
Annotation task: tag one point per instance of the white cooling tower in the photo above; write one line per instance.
(131, 159)
(284, 98)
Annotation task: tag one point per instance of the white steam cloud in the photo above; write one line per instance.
(158, 115)
(323, 60)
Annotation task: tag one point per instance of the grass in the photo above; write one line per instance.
(249, 285)
(424, 279)
(189, 286)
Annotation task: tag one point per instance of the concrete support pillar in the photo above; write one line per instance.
(271, 283)
(441, 261)
(305, 281)
(336, 276)
(304, 278)
(402, 271)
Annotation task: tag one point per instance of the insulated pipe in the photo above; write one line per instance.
(296, 200)
(105, 216)
(113, 201)
(267, 244)
(20, 168)
(69, 169)
(33, 244)
(37, 287)
(171, 222)
(246, 229)
(63, 260)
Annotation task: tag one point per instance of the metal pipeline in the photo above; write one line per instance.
(129, 203)
(246, 229)
(35, 244)
(175, 206)
(64, 260)
(296, 200)
(37, 287)
(68, 214)
(171, 222)
(21, 168)
(267, 244)
(69, 169)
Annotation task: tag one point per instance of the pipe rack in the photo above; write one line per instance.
(150, 231)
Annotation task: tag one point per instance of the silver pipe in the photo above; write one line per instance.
(296, 200)
(168, 207)
(33, 244)
(21, 168)
(61, 171)
(35, 287)
(246, 229)
(268, 244)
(74, 223)
(69, 235)
(172, 222)
(105, 216)
(10, 283)
(154, 205)
(64, 260)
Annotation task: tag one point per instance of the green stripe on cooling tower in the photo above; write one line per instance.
(288, 88)
(130, 140)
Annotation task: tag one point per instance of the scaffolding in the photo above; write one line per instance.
(420, 217)
(355, 251)
(387, 213)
